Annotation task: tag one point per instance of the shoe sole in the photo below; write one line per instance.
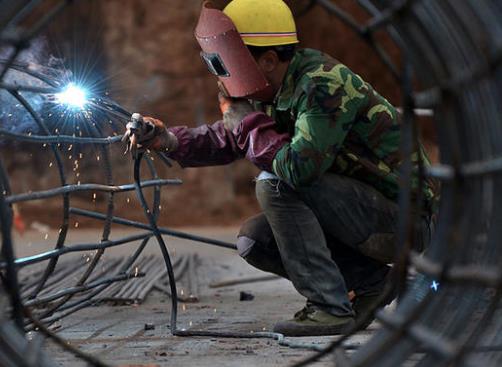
(288, 329)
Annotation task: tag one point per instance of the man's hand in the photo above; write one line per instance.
(148, 133)
(234, 110)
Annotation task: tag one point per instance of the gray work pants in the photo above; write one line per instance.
(331, 237)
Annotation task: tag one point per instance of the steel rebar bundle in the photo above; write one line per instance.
(451, 314)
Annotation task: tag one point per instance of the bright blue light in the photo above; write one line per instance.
(73, 96)
(434, 286)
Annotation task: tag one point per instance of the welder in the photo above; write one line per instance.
(327, 145)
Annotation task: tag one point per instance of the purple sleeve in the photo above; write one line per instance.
(207, 145)
(254, 138)
(258, 139)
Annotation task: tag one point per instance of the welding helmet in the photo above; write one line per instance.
(227, 57)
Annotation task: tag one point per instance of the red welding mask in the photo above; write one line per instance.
(227, 57)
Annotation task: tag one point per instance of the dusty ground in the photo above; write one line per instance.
(117, 333)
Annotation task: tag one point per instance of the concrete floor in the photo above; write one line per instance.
(117, 334)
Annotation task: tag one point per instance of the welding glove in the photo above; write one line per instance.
(149, 133)
(234, 110)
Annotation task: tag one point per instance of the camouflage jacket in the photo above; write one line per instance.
(340, 124)
(335, 122)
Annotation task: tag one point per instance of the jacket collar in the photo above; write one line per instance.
(284, 97)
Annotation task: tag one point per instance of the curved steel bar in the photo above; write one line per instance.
(27, 88)
(59, 139)
(8, 257)
(366, 34)
(24, 261)
(166, 231)
(72, 307)
(25, 68)
(38, 195)
(105, 235)
(81, 288)
(422, 322)
(66, 199)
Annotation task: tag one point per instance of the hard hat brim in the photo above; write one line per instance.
(262, 41)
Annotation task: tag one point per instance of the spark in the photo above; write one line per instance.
(434, 286)
(73, 96)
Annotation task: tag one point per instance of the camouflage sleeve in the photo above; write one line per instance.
(326, 112)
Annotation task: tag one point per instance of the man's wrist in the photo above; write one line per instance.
(169, 142)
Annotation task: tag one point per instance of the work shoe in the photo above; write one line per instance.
(363, 304)
(311, 321)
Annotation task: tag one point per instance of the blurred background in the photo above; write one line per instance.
(142, 53)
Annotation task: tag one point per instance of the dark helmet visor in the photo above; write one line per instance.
(215, 64)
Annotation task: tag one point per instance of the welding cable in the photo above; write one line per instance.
(163, 248)
(280, 338)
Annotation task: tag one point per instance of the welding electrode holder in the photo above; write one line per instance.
(137, 130)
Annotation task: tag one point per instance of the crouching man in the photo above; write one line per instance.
(328, 147)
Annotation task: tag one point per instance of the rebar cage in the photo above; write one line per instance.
(450, 315)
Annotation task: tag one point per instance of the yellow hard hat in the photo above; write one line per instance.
(263, 22)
